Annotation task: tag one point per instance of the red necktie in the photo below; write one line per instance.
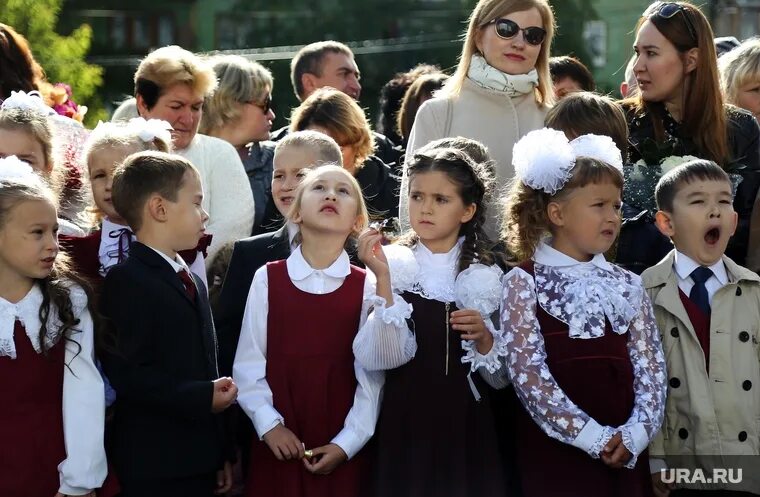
(188, 283)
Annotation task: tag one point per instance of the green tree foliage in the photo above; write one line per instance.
(62, 57)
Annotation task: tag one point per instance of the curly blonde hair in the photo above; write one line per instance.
(526, 221)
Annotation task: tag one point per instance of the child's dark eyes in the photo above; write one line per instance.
(695, 202)
(344, 191)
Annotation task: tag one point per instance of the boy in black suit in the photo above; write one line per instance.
(168, 433)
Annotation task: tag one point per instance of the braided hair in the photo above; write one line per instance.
(473, 181)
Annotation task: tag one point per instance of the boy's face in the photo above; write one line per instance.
(702, 221)
(185, 218)
(290, 166)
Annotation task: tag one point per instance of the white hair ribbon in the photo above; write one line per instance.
(27, 101)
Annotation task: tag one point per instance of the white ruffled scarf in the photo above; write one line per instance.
(512, 85)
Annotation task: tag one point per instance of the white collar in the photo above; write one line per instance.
(293, 230)
(299, 269)
(549, 256)
(449, 259)
(177, 265)
(684, 265)
(27, 310)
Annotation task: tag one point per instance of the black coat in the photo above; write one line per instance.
(380, 188)
(162, 370)
(744, 143)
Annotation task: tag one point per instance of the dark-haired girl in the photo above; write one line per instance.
(436, 432)
(51, 420)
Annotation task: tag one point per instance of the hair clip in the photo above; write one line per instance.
(544, 158)
(27, 101)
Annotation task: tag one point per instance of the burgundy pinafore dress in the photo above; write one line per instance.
(31, 419)
(310, 370)
(597, 375)
(433, 437)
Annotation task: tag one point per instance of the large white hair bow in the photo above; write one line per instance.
(544, 158)
(13, 168)
(28, 101)
(151, 129)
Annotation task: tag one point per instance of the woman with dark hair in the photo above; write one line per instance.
(679, 109)
(420, 92)
(392, 95)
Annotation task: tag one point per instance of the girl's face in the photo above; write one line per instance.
(513, 55)
(26, 147)
(290, 166)
(748, 97)
(587, 222)
(659, 66)
(29, 241)
(329, 204)
(436, 210)
(101, 164)
(181, 107)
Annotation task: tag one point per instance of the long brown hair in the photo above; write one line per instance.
(17, 65)
(703, 116)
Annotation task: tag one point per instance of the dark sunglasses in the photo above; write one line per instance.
(265, 106)
(508, 29)
(668, 10)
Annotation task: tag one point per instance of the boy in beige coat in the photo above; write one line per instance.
(708, 312)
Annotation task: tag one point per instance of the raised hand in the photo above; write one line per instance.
(470, 324)
(225, 393)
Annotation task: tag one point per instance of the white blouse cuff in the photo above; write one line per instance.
(593, 437)
(491, 361)
(348, 441)
(265, 418)
(395, 314)
(635, 439)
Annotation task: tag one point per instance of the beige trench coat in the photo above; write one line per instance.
(710, 416)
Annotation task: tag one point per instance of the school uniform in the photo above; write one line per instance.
(711, 416)
(94, 254)
(436, 434)
(166, 441)
(51, 419)
(586, 362)
(294, 366)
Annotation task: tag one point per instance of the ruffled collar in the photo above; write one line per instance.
(436, 273)
(299, 269)
(549, 256)
(511, 85)
(27, 310)
(115, 240)
(585, 295)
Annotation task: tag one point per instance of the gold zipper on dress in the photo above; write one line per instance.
(447, 338)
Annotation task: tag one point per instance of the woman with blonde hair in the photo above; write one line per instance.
(740, 76)
(501, 89)
(172, 84)
(680, 109)
(337, 115)
(240, 112)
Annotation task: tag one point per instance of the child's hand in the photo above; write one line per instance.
(225, 393)
(371, 253)
(661, 489)
(283, 443)
(325, 459)
(614, 454)
(223, 479)
(470, 324)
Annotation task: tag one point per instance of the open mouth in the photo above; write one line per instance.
(712, 236)
(329, 208)
(286, 200)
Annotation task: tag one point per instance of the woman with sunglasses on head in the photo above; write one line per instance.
(240, 112)
(501, 89)
(679, 106)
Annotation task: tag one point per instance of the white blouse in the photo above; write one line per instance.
(84, 468)
(583, 295)
(249, 369)
(434, 276)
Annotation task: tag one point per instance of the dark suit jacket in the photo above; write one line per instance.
(162, 370)
(248, 255)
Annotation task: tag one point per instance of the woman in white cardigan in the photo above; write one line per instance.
(171, 84)
(501, 90)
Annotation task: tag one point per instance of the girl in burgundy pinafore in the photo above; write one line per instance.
(582, 384)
